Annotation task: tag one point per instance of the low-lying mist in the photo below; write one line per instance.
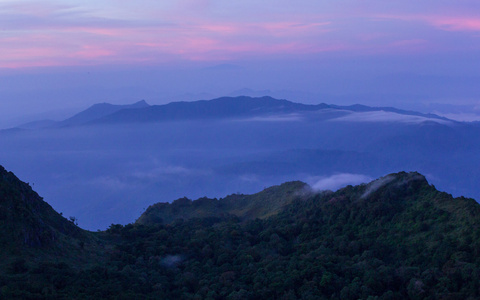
(104, 174)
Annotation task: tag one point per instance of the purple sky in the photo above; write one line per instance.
(59, 56)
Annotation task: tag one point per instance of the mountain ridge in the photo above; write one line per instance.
(246, 207)
(92, 113)
(237, 107)
(99, 110)
(217, 108)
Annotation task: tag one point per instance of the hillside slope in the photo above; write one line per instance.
(30, 230)
(99, 111)
(246, 207)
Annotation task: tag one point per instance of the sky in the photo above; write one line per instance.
(58, 57)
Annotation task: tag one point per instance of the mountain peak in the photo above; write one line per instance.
(100, 110)
(400, 182)
(139, 104)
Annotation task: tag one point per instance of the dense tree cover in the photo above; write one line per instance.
(31, 231)
(247, 207)
(396, 238)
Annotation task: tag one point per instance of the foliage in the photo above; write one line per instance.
(247, 207)
(395, 238)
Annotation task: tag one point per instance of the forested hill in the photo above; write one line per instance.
(246, 207)
(394, 238)
(30, 230)
(26, 221)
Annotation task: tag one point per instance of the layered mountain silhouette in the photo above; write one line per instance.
(220, 108)
(234, 107)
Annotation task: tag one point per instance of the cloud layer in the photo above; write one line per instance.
(59, 33)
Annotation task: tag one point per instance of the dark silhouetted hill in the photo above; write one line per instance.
(30, 230)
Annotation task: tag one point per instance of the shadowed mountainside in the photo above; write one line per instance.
(30, 228)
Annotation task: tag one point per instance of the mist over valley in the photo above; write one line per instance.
(108, 163)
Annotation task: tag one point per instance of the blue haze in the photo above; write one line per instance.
(104, 173)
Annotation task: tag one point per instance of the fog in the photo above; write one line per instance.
(104, 174)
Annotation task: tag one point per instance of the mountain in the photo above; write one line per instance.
(246, 207)
(98, 111)
(396, 237)
(237, 107)
(30, 229)
(94, 112)
(222, 108)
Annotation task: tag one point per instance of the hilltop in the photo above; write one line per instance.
(246, 207)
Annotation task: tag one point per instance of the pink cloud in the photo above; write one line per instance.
(459, 23)
(408, 46)
(409, 43)
(286, 28)
(93, 30)
(221, 28)
(78, 40)
(455, 24)
(91, 52)
(202, 39)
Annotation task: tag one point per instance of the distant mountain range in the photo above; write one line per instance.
(220, 108)
(396, 237)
